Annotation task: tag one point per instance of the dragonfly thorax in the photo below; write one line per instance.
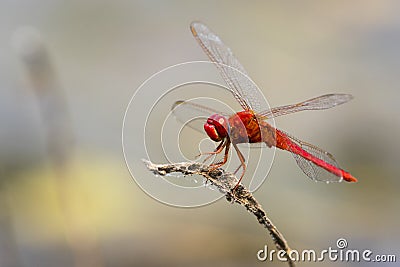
(217, 127)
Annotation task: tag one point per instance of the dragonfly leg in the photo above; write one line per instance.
(242, 164)
(219, 164)
(216, 151)
(237, 169)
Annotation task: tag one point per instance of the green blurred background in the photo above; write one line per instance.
(66, 196)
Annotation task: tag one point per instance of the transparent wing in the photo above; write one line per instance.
(312, 170)
(234, 74)
(192, 115)
(317, 103)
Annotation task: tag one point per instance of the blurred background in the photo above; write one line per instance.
(69, 68)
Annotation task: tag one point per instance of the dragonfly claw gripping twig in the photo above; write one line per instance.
(225, 181)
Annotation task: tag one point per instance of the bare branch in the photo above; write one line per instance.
(225, 181)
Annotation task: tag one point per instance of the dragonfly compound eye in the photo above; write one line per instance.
(216, 127)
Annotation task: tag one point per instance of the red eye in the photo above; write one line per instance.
(212, 132)
(216, 127)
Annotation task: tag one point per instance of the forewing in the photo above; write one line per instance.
(234, 74)
(192, 114)
(312, 170)
(317, 103)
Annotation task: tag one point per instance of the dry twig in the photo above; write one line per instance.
(225, 181)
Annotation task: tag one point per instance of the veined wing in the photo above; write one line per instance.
(192, 114)
(316, 163)
(317, 103)
(234, 74)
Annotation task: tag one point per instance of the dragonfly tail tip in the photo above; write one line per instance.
(350, 178)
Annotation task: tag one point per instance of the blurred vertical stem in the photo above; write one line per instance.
(59, 139)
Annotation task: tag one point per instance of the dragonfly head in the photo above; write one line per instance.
(217, 127)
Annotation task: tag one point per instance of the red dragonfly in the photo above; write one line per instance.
(250, 125)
